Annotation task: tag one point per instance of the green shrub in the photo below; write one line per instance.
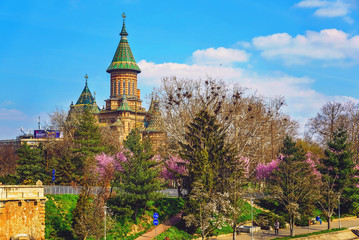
(266, 219)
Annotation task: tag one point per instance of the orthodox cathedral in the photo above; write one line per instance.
(123, 111)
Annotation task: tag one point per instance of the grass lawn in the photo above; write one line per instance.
(58, 218)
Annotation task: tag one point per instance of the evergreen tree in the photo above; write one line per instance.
(87, 139)
(293, 182)
(87, 135)
(80, 222)
(338, 171)
(211, 164)
(210, 159)
(30, 165)
(139, 178)
(65, 171)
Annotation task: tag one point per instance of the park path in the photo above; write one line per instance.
(350, 222)
(161, 228)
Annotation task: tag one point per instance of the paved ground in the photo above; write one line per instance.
(263, 234)
(160, 228)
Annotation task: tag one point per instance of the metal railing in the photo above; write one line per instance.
(57, 189)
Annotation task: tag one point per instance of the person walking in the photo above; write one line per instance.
(276, 227)
(318, 219)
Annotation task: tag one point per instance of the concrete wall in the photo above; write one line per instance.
(22, 210)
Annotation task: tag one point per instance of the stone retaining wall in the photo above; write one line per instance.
(22, 210)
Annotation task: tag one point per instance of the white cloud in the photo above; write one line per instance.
(302, 100)
(312, 3)
(219, 56)
(334, 8)
(11, 114)
(327, 45)
(152, 73)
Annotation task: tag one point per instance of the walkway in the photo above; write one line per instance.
(350, 222)
(161, 228)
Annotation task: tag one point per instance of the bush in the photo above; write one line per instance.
(266, 219)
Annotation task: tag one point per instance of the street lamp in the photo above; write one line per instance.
(105, 210)
(252, 214)
(339, 211)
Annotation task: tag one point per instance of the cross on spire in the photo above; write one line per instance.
(123, 31)
(86, 77)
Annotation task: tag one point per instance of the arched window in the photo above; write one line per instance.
(129, 88)
(133, 88)
(124, 88)
(118, 87)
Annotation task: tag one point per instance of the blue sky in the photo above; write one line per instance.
(306, 51)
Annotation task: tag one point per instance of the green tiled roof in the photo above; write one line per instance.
(155, 118)
(86, 99)
(123, 58)
(124, 105)
(117, 123)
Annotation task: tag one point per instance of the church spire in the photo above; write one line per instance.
(123, 31)
(123, 58)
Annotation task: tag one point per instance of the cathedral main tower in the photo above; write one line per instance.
(124, 109)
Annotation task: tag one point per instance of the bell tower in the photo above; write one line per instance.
(123, 111)
(123, 70)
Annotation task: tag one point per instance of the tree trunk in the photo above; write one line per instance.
(291, 224)
(328, 223)
(234, 232)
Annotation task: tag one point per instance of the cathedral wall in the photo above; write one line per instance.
(123, 83)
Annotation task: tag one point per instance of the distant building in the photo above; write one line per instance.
(124, 111)
(33, 140)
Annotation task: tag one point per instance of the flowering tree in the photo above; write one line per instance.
(108, 166)
(175, 169)
(264, 170)
(233, 187)
(211, 209)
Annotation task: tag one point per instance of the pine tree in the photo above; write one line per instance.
(338, 171)
(80, 223)
(139, 179)
(65, 171)
(87, 139)
(210, 158)
(293, 182)
(87, 135)
(211, 164)
(30, 166)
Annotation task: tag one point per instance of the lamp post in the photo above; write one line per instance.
(252, 215)
(105, 210)
(339, 211)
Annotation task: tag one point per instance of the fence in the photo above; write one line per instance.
(56, 189)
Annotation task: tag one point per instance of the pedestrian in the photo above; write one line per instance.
(276, 227)
(319, 220)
